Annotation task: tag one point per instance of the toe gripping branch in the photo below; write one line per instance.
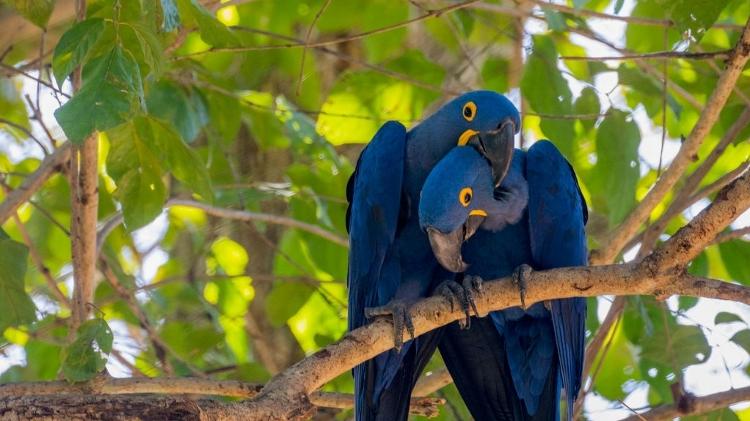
(398, 311)
(520, 275)
(463, 295)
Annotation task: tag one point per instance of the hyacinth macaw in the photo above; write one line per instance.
(511, 365)
(391, 264)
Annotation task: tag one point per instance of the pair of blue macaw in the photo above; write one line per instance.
(425, 217)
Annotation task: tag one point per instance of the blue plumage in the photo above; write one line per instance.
(390, 259)
(535, 217)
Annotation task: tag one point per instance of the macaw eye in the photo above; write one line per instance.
(465, 196)
(470, 111)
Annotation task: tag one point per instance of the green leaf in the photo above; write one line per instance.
(555, 20)
(179, 158)
(189, 340)
(618, 6)
(137, 173)
(73, 47)
(587, 103)
(87, 355)
(694, 17)
(143, 45)
(726, 317)
(735, 254)
(37, 11)
(171, 16)
(13, 107)
(495, 74)
(139, 150)
(619, 365)
(548, 93)
(186, 111)
(616, 168)
(16, 304)
(742, 338)
(112, 89)
(362, 101)
(211, 30)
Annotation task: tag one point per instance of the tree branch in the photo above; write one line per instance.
(240, 215)
(50, 165)
(694, 405)
(63, 391)
(430, 14)
(658, 54)
(669, 178)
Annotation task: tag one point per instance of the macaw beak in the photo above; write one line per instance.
(497, 146)
(447, 246)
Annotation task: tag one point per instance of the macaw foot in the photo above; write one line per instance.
(398, 311)
(463, 294)
(519, 278)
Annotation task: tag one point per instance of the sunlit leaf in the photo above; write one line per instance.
(37, 11)
(112, 89)
(17, 306)
(74, 46)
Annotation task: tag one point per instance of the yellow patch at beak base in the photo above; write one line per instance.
(465, 136)
(477, 212)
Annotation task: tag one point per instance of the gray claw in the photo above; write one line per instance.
(472, 284)
(462, 294)
(519, 277)
(400, 317)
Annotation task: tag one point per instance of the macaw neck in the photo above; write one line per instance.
(426, 144)
(507, 205)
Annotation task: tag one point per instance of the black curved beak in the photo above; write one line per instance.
(497, 146)
(447, 246)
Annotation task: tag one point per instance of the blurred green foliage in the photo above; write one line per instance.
(195, 102)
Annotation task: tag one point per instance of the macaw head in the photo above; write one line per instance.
(454, 202)
(484, 119)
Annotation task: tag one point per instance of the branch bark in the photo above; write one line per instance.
(694, 405)
(44, 393)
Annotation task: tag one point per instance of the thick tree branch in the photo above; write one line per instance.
(51, 164)
(63, 391)
(694, 405)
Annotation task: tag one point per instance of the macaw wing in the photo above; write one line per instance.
(557, 216)
(374, 195)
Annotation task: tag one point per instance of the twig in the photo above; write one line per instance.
(27, 132)
(731, 235)
(432, 382)
(39, 263)
(658, 54)
(307, 41)
(51, 164)
(432, 13)
(117, 219)
(598, 15)
(14, 70)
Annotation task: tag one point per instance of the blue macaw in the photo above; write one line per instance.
(391, 264)
(511, 365)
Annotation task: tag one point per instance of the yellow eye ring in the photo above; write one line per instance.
(470, 111)
(464, 197)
